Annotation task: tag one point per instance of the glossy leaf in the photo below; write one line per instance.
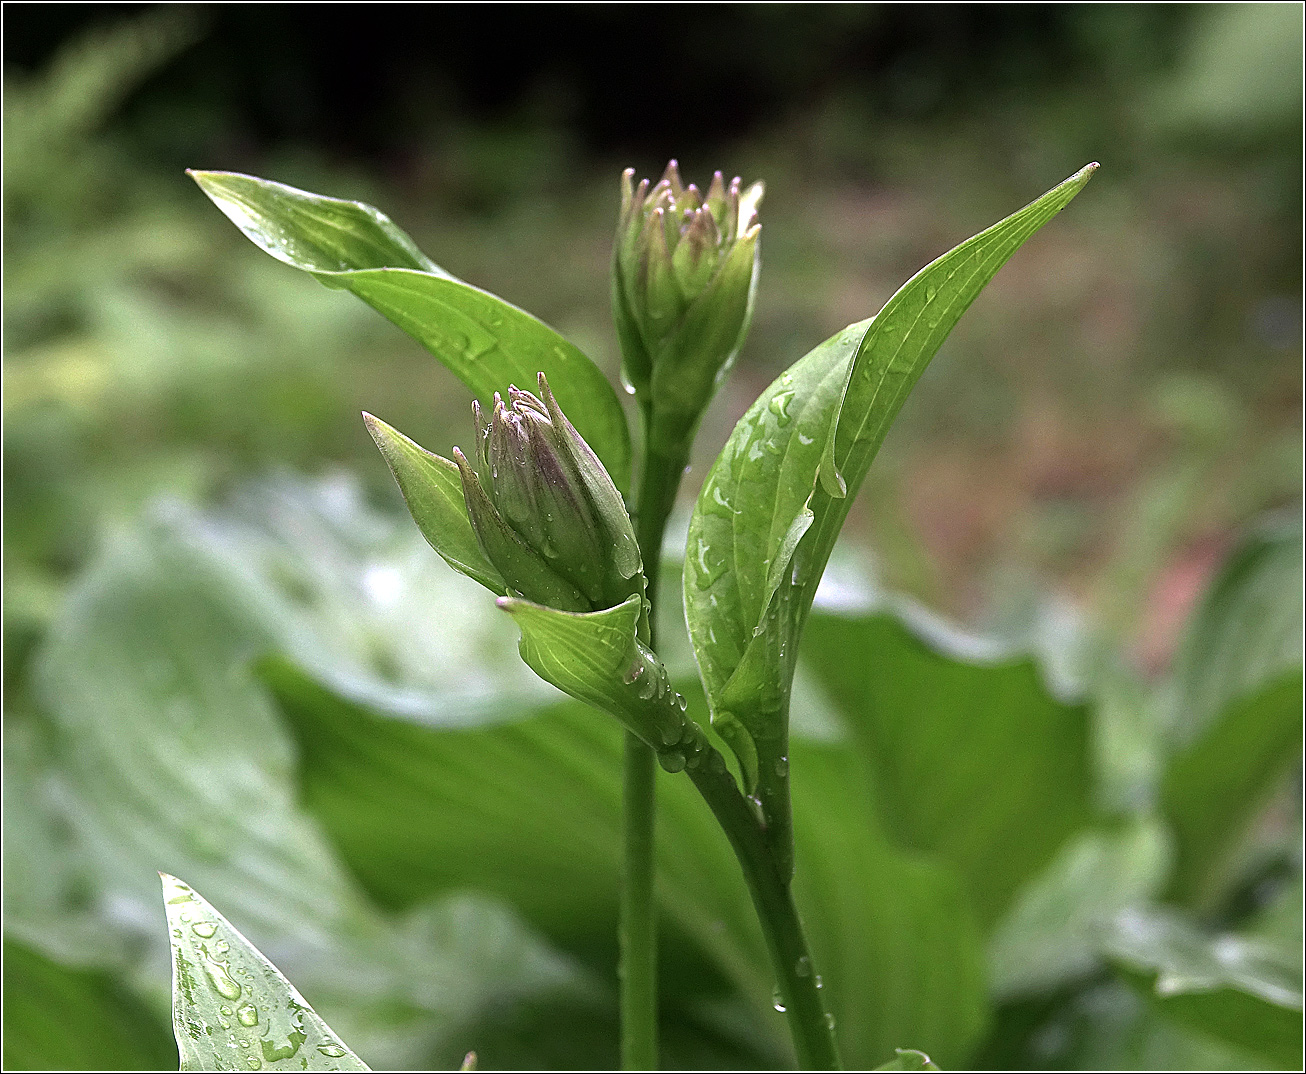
(937, 714)
(776, 497)
(176, 757)
(434, 494)
(231, 1008)
(1049, 937)
(486, 342)
(1242, 990)
(528, 808)
(1237, 715)
(909, 1059)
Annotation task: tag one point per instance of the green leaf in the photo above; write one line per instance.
(434, 494)
(485, 342)
(1247, 631)
(1049, 937)
(597, 658)
(1236, 718)
(527, 807)
(59, 1018)
(776, 497)
(977, 762)
(231, 1008)
(1239, 989)
(909, 1059)
(175, 756)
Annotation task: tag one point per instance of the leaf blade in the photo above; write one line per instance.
(486, 342)
(232, 1009)
(805, 446)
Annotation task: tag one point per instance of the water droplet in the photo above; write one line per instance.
(681, 703)
(777, 1001)
(253, 1062)
(220, 946)
(204, 929)
(779, 406)
(829, 1021)
(243, 1043)
(672, 761)
(185, 917)
(803, 966)
(930, 292)
(221, 980)
(782, 770)
(819, 982)
(225, 1010)
(633, 672)
(247, 1014)
(333, 1050)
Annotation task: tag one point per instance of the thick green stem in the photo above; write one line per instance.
(798, 986)
(639, 1048)
(659, 481)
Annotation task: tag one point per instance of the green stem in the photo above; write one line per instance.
(639, 1046)
(659, 481)
(810, 1026)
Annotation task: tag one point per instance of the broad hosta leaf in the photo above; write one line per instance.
(976, 761)
(177, 759)
(1239, 989)
(486, 342)
(58, 1018)
(775, 499)
(1237, 716)
(231, 1008)
(909, 1059)
(1049, 937)
(1245, 634)
(434, 493)
(528, 808)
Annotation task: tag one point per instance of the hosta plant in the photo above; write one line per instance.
(545, 520)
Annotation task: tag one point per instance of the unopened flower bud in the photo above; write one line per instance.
(545, 512)
(684, 275)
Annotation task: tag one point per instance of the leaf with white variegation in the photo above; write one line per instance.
(486, 342)
(231, 1008)
(776, 497)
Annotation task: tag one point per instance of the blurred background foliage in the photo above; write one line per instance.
(1121, 404)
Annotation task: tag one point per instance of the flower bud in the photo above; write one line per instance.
(683, 279)
(545, 512)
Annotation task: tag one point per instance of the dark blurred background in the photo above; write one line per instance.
(1124, 398)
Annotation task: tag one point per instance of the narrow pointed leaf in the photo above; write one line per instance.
(804, 447)
(434, 494)
(231, 1008)
(486, 342)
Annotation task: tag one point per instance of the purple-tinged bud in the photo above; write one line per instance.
(544, 509)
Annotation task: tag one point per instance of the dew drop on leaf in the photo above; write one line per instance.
(777, 1001)
(803, 966)
(204, 929)
(333, 1050)
(247, 1014)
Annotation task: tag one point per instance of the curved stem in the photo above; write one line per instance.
(811, 1027)
(659, 481)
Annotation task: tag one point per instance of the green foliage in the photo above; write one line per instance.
(289, 701)
(231, 1008)
(487, 343)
